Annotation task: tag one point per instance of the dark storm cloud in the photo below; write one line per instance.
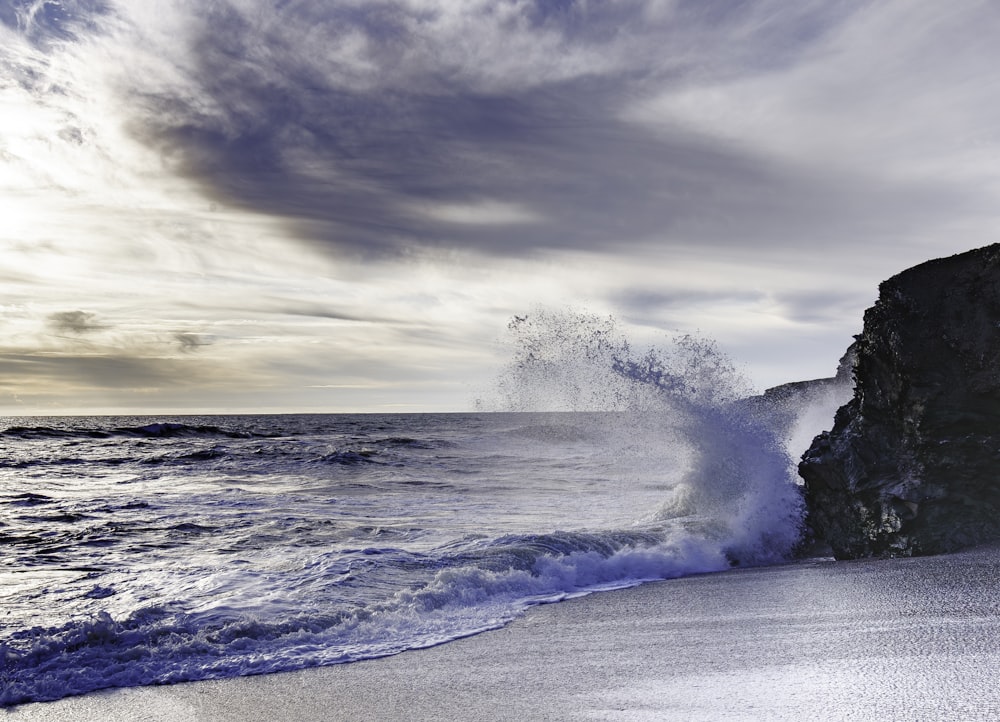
(75, 322)
(367, 173)
(368, 152)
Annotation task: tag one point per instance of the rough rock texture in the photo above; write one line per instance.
(912, 464)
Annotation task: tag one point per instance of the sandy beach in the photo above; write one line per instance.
(914, 639)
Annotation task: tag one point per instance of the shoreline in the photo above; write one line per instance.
(911, 638)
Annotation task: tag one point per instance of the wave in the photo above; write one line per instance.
(468, 592)
(679, 406)
(349, 457)
(160, 429)
(60, 461)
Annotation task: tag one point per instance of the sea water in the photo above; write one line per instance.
(152, 550)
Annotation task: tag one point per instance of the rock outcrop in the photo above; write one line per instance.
(912, 464)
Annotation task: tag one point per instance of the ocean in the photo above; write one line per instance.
(153, 550)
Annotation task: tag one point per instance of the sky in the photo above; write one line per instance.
(339, 205)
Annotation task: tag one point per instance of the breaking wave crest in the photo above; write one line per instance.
(728, 479)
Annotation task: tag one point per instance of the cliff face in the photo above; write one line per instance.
(912, 464)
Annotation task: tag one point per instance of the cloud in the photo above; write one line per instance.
(190, 342)
(383, 128)
(286, 306)
(48, 22)
(376, 128)
(106, 371)
(638, 299)
(823, 306)
(75, 322)
(315, 192)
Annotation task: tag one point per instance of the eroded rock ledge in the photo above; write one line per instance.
(912, 464)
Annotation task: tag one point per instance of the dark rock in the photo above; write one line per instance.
(912, 464)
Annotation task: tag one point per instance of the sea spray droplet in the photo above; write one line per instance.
(679, 408)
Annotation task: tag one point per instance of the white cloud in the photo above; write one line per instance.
(900, 91)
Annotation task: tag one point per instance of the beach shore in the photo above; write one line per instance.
(914, 639)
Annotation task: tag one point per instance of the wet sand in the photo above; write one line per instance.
(913, 639)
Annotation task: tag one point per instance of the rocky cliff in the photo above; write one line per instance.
(912, 464)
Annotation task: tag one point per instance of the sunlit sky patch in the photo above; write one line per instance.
(338, 206)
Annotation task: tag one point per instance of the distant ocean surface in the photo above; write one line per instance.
(152, 550)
